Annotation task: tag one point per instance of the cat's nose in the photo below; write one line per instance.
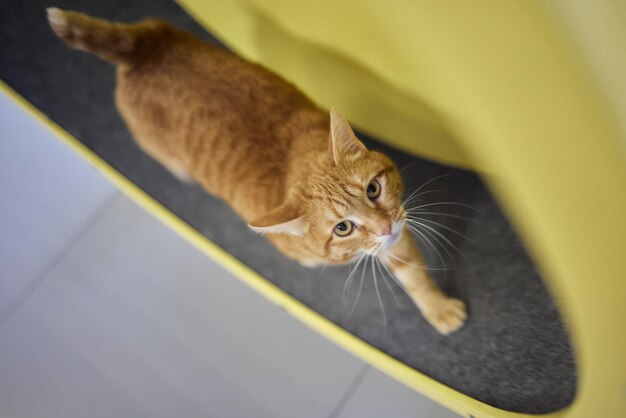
(385, 231)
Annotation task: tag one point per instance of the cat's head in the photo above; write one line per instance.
(353, 204)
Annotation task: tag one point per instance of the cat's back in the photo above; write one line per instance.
(226, 120)
(186, 75)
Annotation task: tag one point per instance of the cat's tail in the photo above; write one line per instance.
(126, 44)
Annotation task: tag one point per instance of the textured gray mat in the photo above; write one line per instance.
(513, 353)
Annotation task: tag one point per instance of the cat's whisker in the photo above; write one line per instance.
(346, 285)
(415, 266)
(465, 205)
(351, 268)
(444, 227)
(384, 278)
(380, 300)
(412, 211)
(429, 245)
(407, 166)
(435, 237)
(433, 230)
(358, 292)
(383, 260)
(441, 244)
(323, 270)
(430, 181)
(412, 198)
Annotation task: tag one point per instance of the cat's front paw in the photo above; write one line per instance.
(446, 315)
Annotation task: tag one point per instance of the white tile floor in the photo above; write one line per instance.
(104, 312)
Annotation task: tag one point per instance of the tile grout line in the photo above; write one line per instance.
(49, 268)
(350, 391)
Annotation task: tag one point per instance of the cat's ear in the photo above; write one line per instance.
(284, 219)
(342, 142)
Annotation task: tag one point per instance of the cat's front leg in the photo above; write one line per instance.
(444, 313)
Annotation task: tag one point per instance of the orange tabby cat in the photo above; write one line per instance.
(251, 138)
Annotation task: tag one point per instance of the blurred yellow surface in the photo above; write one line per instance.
(531, 94)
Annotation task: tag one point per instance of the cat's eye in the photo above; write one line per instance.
(373, 189)
(343, 229)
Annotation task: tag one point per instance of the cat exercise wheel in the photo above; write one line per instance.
(510, 90)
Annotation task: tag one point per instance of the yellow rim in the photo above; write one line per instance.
(435, 390)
